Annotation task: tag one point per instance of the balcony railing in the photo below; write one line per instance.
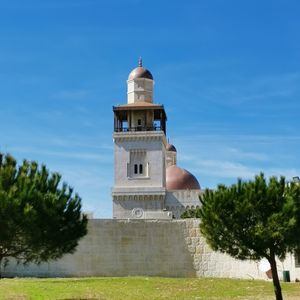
(139, 128)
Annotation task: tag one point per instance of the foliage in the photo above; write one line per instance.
(253, 219)
(249, 220)
(136, 288)
(40, 219)
(191, 213)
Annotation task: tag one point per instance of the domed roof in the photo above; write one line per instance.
(140, 72)
(180, 179)
(171, 147)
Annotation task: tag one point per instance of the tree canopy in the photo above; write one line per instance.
(40, 218)
(253, 219)
(191, 213)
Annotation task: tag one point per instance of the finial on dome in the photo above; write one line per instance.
(140, 72)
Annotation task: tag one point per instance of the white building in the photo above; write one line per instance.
(148, 183)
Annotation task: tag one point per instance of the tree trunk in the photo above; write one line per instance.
(276, 283)
(0, 267)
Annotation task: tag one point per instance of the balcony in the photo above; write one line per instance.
(139, 128)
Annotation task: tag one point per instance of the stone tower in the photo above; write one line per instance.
(139, 136)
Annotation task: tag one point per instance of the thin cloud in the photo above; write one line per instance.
(225, 169)
(238, 154)
(72, 94)
(86, 178)
(256, 89)
(220, 169)
(66, 154)
(217, 158)
(230, 137)
(248, 155)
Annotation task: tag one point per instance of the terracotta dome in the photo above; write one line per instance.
(180, 179)
(140, 72)
(171, 147)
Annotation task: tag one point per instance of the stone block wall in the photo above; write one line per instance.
(171, 248)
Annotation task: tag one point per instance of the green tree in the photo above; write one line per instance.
(40, 219)
(191, 213)
(253, 219)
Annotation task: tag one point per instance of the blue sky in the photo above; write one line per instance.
(228, 73)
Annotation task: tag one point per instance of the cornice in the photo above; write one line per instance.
(140, 135)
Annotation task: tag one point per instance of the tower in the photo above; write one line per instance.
(139, 136)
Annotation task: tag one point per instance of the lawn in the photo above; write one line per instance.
(142, 288)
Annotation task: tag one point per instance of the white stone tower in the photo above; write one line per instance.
(139, 189)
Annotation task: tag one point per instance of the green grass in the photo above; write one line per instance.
(142, 288)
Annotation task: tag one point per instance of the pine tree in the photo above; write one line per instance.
(253, 219)
(40, 218)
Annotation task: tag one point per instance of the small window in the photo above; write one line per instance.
(139, 122)
(141, 169)
(135, 169)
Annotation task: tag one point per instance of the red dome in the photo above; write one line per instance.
(171, 147)
(140, 72)
(180, 179)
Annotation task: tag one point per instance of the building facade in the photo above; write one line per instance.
(148, 183)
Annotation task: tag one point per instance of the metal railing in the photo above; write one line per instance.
(139, 128)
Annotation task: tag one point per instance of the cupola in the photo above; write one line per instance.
(140, 85)
(171, 155)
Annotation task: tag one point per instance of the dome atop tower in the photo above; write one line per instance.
(170, 147)
(140, 72)
(180, 179)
